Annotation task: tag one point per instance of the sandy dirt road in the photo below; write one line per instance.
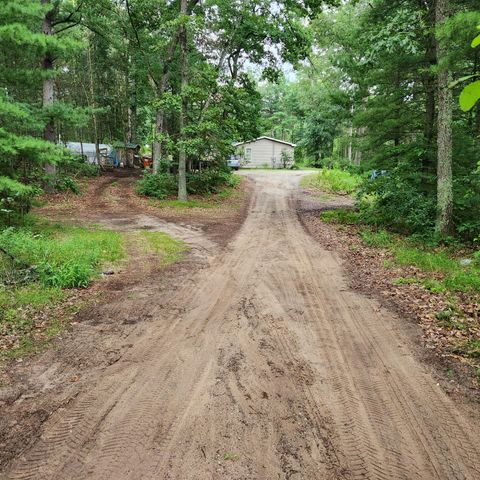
(265, 366)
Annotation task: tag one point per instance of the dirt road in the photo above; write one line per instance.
(265, 366)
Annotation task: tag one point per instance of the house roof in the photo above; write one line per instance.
(266, 138)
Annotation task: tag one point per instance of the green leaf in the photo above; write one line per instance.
(476, 41)
(470, 96)
(460, 80)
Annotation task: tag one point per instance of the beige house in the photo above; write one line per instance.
(265, 152)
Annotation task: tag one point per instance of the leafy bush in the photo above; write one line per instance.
(398, 202)
(64, 184)
(73, 165)
(162, 185)
(210, 181)
(157, 185)
(15, 199)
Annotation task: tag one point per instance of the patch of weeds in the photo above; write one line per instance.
(341, 216)
(387, 263)
(230, 457)
(167, 248)
(61, 256)
(444, 314)
(430, 284)
(333, 181)
(380, 239)
(469, 348)
(449, 373)
(455, 276)
(57, 257)
(177, 204)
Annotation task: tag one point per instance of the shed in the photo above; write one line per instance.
(128, 154)
(88, 150)
(265, 152)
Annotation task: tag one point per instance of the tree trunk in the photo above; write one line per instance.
(160, 116)
(48, 91)
(444, 225)
(428, 160)
(93, 105)
(182, 154)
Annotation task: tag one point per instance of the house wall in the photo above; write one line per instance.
(264, 154)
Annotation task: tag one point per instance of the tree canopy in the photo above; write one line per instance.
(377, 86)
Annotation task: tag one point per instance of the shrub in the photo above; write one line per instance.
(397, 202)
(64, 184)
(162, 185)
(72, 165)
(15, 199)
(157, 185)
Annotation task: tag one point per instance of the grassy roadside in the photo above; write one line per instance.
(45, 268)
(452, 270)
(448, 276)
(333, 180)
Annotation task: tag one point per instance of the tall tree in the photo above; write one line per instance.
(444, 223)
(182, 153)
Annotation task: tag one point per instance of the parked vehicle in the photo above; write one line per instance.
(233, 163)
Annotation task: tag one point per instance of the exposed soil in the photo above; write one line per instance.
(256, 362)
(440, 339)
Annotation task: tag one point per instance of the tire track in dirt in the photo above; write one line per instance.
(263, 366)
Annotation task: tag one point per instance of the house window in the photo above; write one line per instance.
(248, 155)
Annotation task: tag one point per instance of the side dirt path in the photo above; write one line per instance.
(263, 364)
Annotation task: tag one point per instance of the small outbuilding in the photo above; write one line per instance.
(88, 150)
(265, 152)
(128, 154)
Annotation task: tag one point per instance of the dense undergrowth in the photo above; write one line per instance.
(164, 185)
(403, 203)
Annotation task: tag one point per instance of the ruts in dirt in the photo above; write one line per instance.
(265, 365)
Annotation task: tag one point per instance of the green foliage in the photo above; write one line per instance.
(162, 185)
(64, 184)
(397, 201)
(63, 257)
(408, 251)
(471, 93)
(333, 181)
(157, 185)
(342, 216)
(15, 199)
(169, 249)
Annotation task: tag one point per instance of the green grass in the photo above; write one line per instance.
(469, 348)
(177, 204)
(50, 258)
(440, 260)
(167, 248)
(333, 181)
(61, 256)
(455, 277)
(343, 216)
